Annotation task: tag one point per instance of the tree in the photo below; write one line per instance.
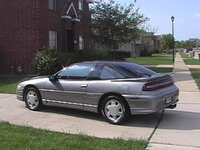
(185, 44)
(167, 42)
(113, 23)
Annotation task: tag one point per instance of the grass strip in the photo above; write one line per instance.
(155, 59)
(18, 138)
(196, 76)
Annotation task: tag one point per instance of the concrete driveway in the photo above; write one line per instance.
(180, 128)
(75, 121)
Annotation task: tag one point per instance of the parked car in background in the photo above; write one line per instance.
(114, 89)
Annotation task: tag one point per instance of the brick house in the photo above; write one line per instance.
(28, 26)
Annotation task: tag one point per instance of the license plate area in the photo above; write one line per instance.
(168, 99)
(171, 98)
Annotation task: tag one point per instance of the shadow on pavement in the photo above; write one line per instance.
(134, 120)
(172, 119)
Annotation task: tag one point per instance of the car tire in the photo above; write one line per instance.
(115, 110)
(32, 99)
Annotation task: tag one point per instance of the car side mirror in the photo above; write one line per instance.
(52, 78)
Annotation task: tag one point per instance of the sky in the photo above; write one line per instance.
(186, 13)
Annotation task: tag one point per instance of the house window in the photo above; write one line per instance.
(53, 5)
(52, 39)
(80, 4)
(81, 43)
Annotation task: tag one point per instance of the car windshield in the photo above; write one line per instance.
(76, 71)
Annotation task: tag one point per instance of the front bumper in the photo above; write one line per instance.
(147, 104)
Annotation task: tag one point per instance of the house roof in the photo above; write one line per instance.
(197, 41)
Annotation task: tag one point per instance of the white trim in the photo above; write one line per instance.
(66, 17)
(69, 103)
(69, 17)
(76, 19)
(72, 6)
(80, 5)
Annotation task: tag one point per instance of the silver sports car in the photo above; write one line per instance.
(114, 89)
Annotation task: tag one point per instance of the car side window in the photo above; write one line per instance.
(77, 71)
(109, 73)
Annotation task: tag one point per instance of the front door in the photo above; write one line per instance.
(70, 41)
(70, 88)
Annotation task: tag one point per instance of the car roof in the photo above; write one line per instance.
(107, 62)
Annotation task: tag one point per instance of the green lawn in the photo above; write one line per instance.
(192, 61)
(196, 76)
(18, 138)
(161, 70)
(155, 59)
(189, 61)
(8, 84)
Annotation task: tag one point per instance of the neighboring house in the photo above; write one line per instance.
(29, 26)
(145, 45)
(181, 50)
(196, 53)
(157, 43)
(196, 41)
(133, 47)
(151, 44)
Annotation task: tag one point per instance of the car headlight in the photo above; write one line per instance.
(19, 86)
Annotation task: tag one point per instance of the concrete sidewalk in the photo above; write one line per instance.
(180, 128)
(159, 66)
(194, 66)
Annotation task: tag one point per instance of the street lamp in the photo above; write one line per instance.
(172, 19)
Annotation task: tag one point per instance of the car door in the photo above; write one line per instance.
(100, 84)
(70, 87)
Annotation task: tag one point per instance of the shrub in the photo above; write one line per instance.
(50, 60)
(47, 61)
(86, 55)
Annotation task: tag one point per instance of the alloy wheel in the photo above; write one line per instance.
(114, 110)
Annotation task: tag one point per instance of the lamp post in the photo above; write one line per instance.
(172, 19)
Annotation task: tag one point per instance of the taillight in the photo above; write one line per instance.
(158, 84)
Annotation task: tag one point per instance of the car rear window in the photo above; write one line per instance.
(110, 73)
(133, 70)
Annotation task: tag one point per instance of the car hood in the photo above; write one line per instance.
(39, 80)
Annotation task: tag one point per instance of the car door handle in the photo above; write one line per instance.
(83, 86)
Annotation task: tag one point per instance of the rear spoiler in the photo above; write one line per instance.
(152, 78)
